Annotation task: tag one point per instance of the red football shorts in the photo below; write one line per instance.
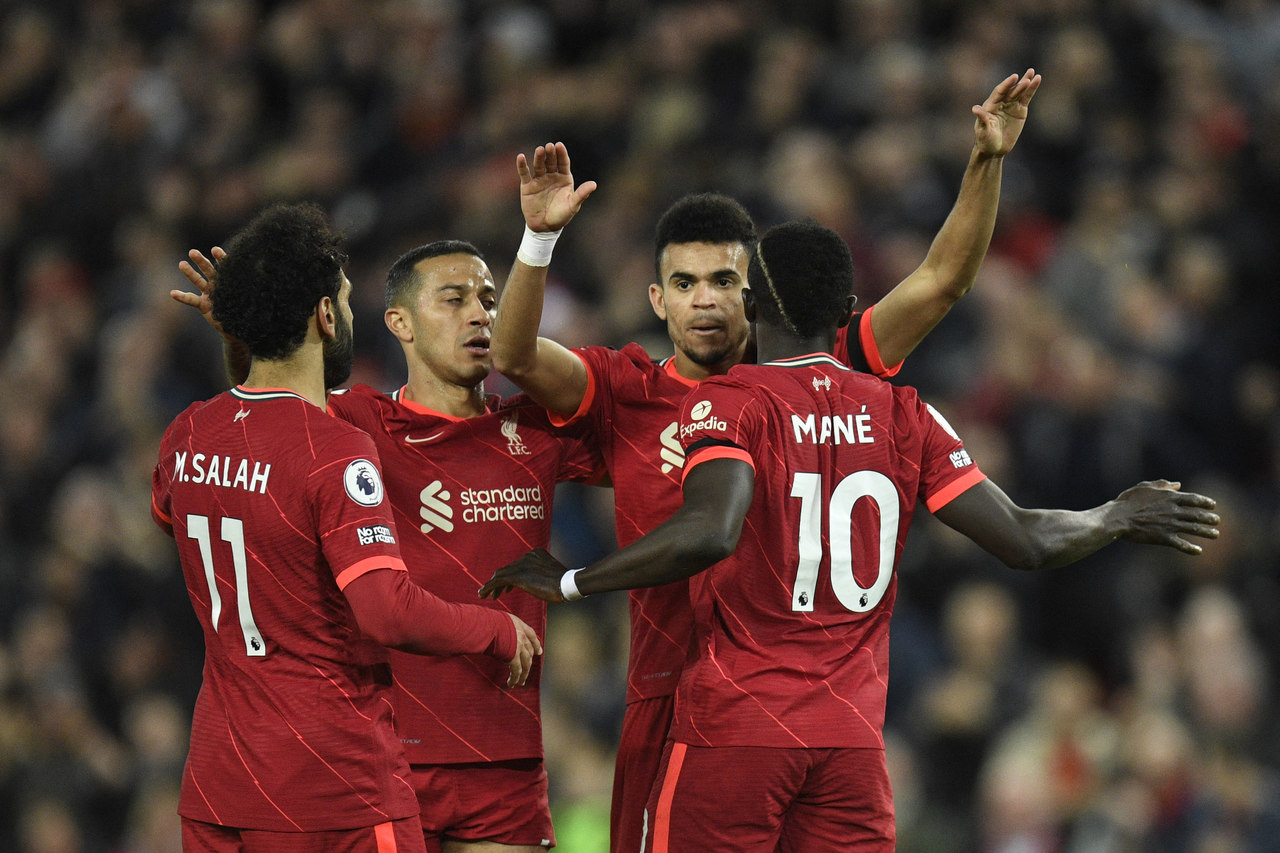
(739, 799)
(396, 836)
(501, 801)
(644, 732)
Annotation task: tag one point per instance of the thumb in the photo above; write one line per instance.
(585, 189)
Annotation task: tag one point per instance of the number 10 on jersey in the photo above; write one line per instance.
(839, 516)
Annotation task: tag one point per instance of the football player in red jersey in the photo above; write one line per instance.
(799, 488)
(631, 403)
(289, 550)
(470, 479)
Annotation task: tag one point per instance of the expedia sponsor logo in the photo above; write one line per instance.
(703, 420)
(377, 534)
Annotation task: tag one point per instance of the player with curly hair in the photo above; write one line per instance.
(290, 555)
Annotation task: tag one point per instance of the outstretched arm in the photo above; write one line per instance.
(201, 272)
(910, 311)
(1151, 513)
(702, 532)
(548, 372)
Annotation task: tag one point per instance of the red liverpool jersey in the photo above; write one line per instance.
(469, 495)
(791, 641)
(632, 405)
(275, 506)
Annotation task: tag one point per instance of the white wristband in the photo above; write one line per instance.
(535, 248)
(568, 588)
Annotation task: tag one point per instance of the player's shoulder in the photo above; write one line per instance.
(632, 355)
(521, 405)
(357, 396)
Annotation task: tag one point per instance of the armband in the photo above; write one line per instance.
(535, 249)
(568, 587)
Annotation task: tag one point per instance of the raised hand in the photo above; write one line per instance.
(999, 119)
(537, 573)
(527, 647)
(202, 273)
(548, 197)
(1157, 513)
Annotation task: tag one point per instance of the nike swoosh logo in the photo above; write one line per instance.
(411, 440)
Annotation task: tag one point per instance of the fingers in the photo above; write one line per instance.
(493, 588)
(205, 265)
(186, 297)
(519, 666)
(522, 168)
(192, 276)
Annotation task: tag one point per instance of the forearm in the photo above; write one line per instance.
(961, 244)
(682, 546)
(549, 373)
(399, 614)
(1058, 537)
(514, 342)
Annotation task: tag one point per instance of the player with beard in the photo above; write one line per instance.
(470, 479)
(800, 483)
(290, 556)
(631, 402)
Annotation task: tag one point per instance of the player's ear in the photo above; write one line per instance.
(397, 320)
(847, 314)
(749, 304)
(326, 318)
(658, 300)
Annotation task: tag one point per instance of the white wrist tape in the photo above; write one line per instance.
(568, 587)
(535, 248)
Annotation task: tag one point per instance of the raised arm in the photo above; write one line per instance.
(548, 372)
(202, 273)
(702, 532)
(1150, 513)
(910, 311)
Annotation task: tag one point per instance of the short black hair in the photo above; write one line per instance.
(401, 280)
(276, 269)
(703, 218)
(801, 274)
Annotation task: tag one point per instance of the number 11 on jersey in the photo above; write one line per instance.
(839, 512)
(232, 532)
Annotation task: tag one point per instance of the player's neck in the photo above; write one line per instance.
(693, 371)
(301, 373)
(775, 344)
(445, 397)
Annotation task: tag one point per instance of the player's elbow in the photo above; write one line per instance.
(711, 542)
(512, 362)
(1026, 554)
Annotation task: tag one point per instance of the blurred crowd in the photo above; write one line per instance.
(1123, 327)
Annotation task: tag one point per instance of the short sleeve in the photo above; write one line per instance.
(947, 470)
(353, 514)
(717, 418)
(856, 347)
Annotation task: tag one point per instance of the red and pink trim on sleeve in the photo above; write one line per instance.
(587, 397)
(716, 451)
(954, 489)
(870, 349)
(367, 565)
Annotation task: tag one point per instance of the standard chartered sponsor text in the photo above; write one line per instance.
(512, 503)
